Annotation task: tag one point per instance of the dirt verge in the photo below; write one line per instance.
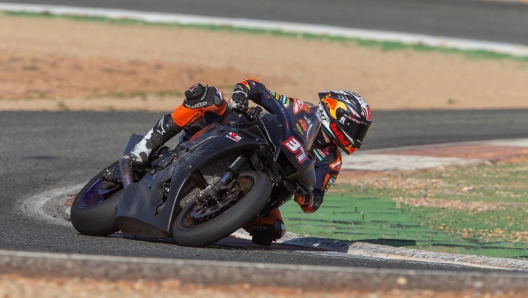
(16, 286)
(54, 64)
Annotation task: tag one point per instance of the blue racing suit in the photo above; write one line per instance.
(325, 153)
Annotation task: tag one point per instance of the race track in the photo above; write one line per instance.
(40, 151)
(46, 150)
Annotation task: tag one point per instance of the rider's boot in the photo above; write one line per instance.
(163, 131)
(267, 228)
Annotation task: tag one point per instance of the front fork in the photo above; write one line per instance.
(228, 176)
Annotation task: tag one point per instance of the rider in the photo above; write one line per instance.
(345, 119)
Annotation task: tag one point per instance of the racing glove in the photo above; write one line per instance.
(310, 202)
(239, 98)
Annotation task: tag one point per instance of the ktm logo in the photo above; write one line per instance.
(303, 125)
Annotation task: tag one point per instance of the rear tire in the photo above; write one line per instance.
(187, 231)
(92, 213)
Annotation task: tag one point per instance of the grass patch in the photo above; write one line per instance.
(383, 45)
(479, 210)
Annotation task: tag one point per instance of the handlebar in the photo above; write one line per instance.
(252, 114)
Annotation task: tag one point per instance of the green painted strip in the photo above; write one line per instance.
(369, 214)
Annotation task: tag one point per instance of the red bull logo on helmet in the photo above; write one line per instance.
(333, 105)
(339, 135)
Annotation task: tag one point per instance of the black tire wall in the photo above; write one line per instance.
(95, 220)
(228, 222)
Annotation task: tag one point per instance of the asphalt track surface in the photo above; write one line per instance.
(46, 150)
(40, 151)
(469, 19)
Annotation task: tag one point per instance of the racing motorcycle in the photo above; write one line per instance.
(209, 186)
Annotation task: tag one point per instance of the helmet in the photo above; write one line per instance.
(345, 117)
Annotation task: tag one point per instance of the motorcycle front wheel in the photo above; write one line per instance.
(203, 223)
(92, 211)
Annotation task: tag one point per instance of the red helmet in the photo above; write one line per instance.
(345, 117)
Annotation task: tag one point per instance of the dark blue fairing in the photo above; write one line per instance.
(93, 195)
(145, 209)
(292, 130)
(142, 210)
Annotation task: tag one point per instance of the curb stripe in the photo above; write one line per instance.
(516, 50)
(403, 158)
(394, 162)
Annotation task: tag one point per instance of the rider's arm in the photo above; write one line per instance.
(188, 113)
(327, 166)
(255, 91)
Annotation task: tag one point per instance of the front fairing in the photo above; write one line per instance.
(292, 132)
(142, 209)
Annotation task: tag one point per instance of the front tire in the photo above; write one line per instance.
(192, 228)
(92, 211)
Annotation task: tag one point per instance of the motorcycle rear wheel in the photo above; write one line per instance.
(92, 211)
(196, 227)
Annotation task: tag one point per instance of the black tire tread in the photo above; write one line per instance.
(96, 220)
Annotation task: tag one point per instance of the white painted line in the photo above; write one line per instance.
(498, 142)
(334, 31)
(394, 162)
(109, 259)
(510, 142)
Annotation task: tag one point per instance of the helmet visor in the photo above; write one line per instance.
(355, 129)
